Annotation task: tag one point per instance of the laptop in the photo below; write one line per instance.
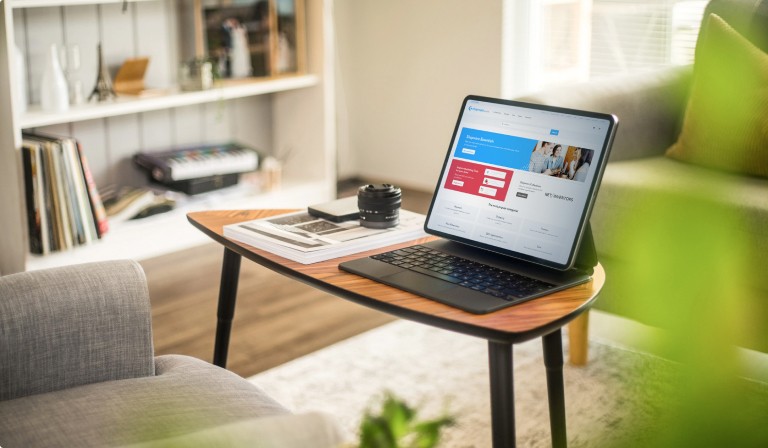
(511, 206)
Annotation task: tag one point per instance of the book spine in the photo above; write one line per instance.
(97, 207)
(85, 215)
(70, 194)
(60, 189)
(51, 204)
(32, 207)
(45, 221)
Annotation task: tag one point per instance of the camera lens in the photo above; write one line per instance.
(379, 205)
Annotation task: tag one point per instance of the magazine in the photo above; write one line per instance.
(307, 239)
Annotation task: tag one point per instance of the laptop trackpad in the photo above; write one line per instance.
(448, 293)
(411, 280)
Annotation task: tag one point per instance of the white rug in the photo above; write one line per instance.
(436, 369)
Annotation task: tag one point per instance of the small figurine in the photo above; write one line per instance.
(103, 90)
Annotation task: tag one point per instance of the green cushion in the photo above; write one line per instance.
(726, 120)
(628, 184)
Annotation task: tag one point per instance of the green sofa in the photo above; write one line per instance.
(651, 106)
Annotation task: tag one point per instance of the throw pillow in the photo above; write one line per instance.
(726, 119)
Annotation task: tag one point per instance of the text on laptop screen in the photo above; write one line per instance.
(518, 179)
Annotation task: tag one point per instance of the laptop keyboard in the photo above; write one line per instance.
(469, 274)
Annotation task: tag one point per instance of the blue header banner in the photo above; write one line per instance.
(495, 149)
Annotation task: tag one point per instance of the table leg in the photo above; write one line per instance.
(553, 360)
(230, 274)
(578, 338)
(502, 394)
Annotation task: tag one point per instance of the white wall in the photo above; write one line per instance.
(403, 69)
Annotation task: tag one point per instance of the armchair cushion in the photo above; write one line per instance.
(274, 431)
(726, 121)
(77, 369)
(66, 327)
(186, 395)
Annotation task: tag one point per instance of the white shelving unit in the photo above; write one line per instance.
(167, 232)
(285, 115)
(165, 100)
(44, 3)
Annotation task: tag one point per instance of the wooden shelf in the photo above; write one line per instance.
(226, 90)
(168, 232)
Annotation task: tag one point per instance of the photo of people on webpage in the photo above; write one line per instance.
(566, 162)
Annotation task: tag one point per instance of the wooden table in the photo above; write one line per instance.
(542, 317)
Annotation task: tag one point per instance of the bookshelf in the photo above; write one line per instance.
(291, 117)
(226, 90)
(167, 232)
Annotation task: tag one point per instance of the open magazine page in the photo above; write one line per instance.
(298, 235)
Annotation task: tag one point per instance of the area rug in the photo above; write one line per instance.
(612, 402)
(437, 370)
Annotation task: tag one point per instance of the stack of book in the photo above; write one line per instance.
(64, 209)
(128, 203)
(307, 239)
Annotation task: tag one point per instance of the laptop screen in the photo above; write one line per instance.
(520, 179)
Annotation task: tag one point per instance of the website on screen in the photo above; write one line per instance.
(518, 178)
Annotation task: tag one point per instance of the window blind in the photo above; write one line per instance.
(631, 35)
(575, 40)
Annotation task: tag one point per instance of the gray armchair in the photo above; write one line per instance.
(651, 107)
(77, 368)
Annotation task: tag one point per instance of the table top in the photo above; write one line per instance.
(514, 324)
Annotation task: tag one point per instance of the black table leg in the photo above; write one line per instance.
(502, 394)
(553, 360)
(230, 274)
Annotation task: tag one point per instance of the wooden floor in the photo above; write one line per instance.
(276, 319)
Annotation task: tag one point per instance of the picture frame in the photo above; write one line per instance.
(289, 39)
(252, 38)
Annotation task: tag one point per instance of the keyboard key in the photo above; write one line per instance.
(466, 273)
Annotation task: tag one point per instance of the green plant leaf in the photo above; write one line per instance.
(398, 415)
(376, 433)
(429, 431)
(397, 427)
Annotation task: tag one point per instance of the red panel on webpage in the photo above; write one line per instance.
(479, 180)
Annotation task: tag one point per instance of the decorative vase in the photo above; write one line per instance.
(21, 80)
(103, 90)
(241, 58)
(54, 94)
(196, 74)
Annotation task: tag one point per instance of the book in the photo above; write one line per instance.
(97, 206)
(77, 226)
(61, 205)
(307, 239)
(79, 190)
(44, 213)
(33, 196)
(60, 217)
(47, 199)
(128, 203)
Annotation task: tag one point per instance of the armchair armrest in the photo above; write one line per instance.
(650, 106)
(74, 325)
